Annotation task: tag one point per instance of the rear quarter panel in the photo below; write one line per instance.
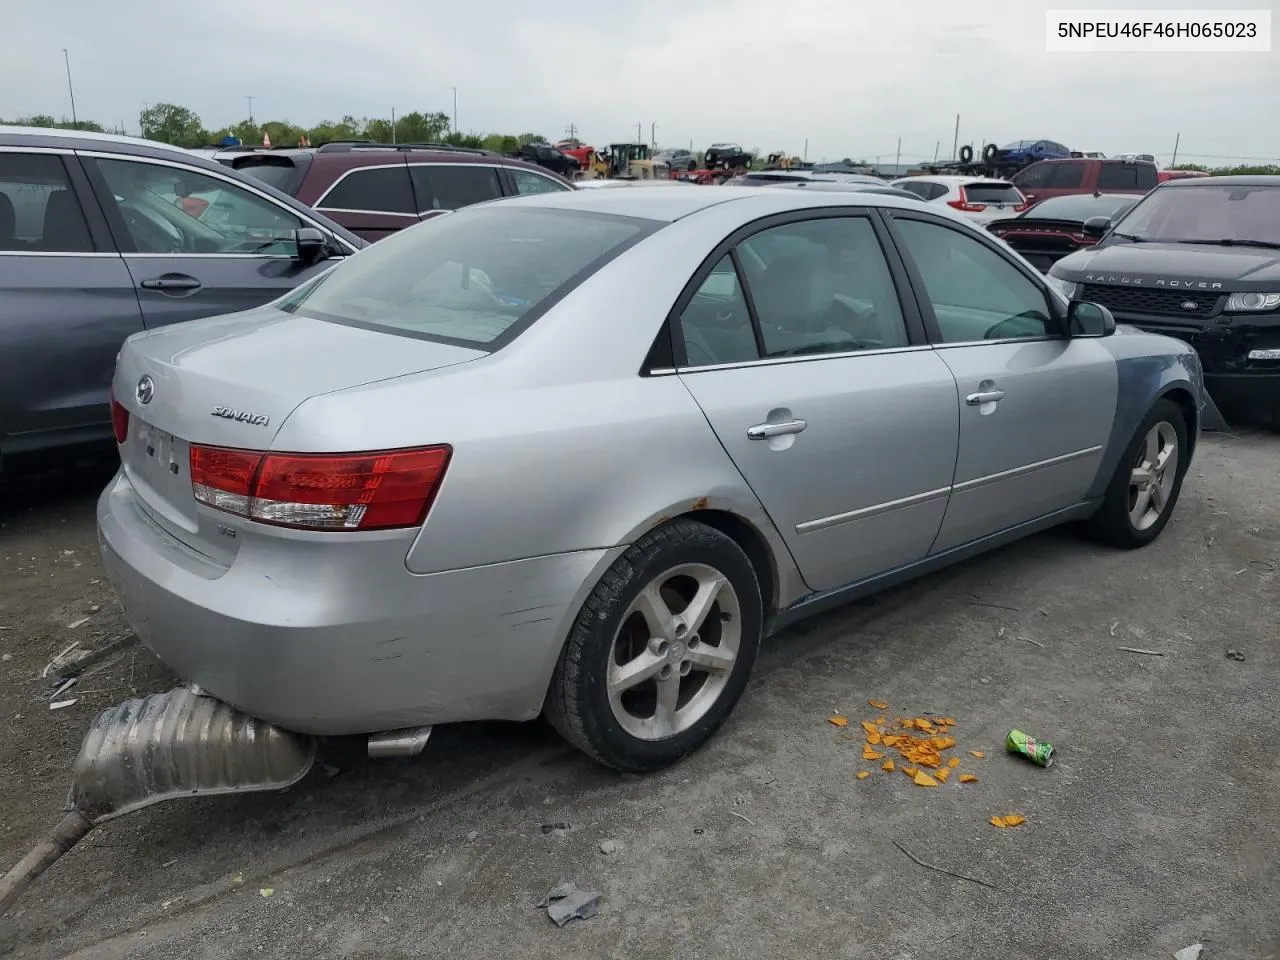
(1149, 366)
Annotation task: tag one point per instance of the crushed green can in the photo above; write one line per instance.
(1023, 744)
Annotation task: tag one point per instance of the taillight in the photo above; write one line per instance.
(1020, 207)
(964, 204)
(381, 490)
(119, 420)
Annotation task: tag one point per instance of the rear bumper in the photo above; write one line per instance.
(338, 637)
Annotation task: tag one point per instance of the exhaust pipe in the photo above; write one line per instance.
(163, 747)
(408, 742)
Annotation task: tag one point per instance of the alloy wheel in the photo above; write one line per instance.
(1154, 473)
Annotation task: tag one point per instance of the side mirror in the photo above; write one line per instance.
(312, 245)
(1097, 226)
(1086, 319)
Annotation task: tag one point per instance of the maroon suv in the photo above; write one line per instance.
(375, 189)
(1084, 175)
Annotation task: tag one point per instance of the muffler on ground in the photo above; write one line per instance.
(163, 747)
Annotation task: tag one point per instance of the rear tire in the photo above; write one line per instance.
(661, 650)
(1144, 489)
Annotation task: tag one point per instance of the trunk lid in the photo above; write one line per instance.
(232, 382)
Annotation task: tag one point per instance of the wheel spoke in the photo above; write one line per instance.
(1152, 451)
(1140, 475)
(711, 659)
(693, 616)
(657, 615)
(664, 709)
(1139, 509)
(1166, 455)
(1157, 497)
(634, 672)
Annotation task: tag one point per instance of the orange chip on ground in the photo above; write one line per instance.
(944, 743)
(998, 822)
(887, 766)
(878, 704)
(949, 721)
(953, 762)
(941, 775)
(1014, 820)
(977, 753)
(863, 774)
(869, 754)
(968, 778)
(922, 723)
(910, 771)
(873, 736)
(838, 721)
(924, 780)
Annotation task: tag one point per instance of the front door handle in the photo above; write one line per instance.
(763, 431)
(172, 281)
(984, 396)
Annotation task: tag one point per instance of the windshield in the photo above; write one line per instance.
(1081, 207)
(475, 277)
(1206, 213)
(278, 172)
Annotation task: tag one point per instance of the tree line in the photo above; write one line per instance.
(182, 127)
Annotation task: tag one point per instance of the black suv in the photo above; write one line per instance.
(547, 156)
(1197, 259)
(727, 155)
(375, 189)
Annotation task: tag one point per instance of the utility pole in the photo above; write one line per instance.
(1177, 140)
(897, 160)
(806, 149)
(70, 89)
(572, 131)
(393, 126)
(955, 143)
(250, 99)
(653, 135)
(936, 147)
(455, 110)
(639, 127)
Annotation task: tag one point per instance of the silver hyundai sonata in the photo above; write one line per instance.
(578, 452)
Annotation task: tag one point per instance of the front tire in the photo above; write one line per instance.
(1144, 489)
(661, 650)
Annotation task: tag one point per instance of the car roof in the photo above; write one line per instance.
(669, 203)
(1240, 180)
(949, 180)
(73, 138)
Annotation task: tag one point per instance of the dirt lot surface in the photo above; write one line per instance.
(1156, 827)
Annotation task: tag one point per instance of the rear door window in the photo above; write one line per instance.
(1126, 176)
(39, 213)
(372, 190)
(452, 186)
(475, 277)
(1033, 176)
(1066, 176)
(526, 181)
(920, 188)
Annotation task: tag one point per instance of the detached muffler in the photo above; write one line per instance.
(162, 747)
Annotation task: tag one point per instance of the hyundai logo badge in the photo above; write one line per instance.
(146, 390)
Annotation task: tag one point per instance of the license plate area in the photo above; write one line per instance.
(158, 452)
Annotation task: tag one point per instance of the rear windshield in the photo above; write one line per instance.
(475, 277)
(1207, 213)
(759, 179)
(1081, 207)
(279, 172)
(992, 193)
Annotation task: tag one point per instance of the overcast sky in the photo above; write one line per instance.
(850, 76)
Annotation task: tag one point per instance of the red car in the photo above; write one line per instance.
(1164, 175)
(1054, 228)
(1084, 175)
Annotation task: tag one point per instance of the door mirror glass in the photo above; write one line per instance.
(311, 243)
(1097, 226)
(1086, 319)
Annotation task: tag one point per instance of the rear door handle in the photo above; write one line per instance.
(985, 396)
(763, 431)
(172, 281)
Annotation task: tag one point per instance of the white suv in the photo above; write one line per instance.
(975, 198)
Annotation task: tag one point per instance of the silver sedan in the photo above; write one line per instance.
(579, 452)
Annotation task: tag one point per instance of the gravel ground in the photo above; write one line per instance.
(1154, 829)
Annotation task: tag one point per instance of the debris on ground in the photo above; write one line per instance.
(63, 704)
(744, 819)
(608, 846)
(1189, 952)
(1145, 653)
(919, 741)
(1024, 745)
(1234, 654)
(1008, 820)
(838, 721)
(267, 892)
(937, 869)
(473, 836)
(565, 902)
(553, 827)
(5, 657)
